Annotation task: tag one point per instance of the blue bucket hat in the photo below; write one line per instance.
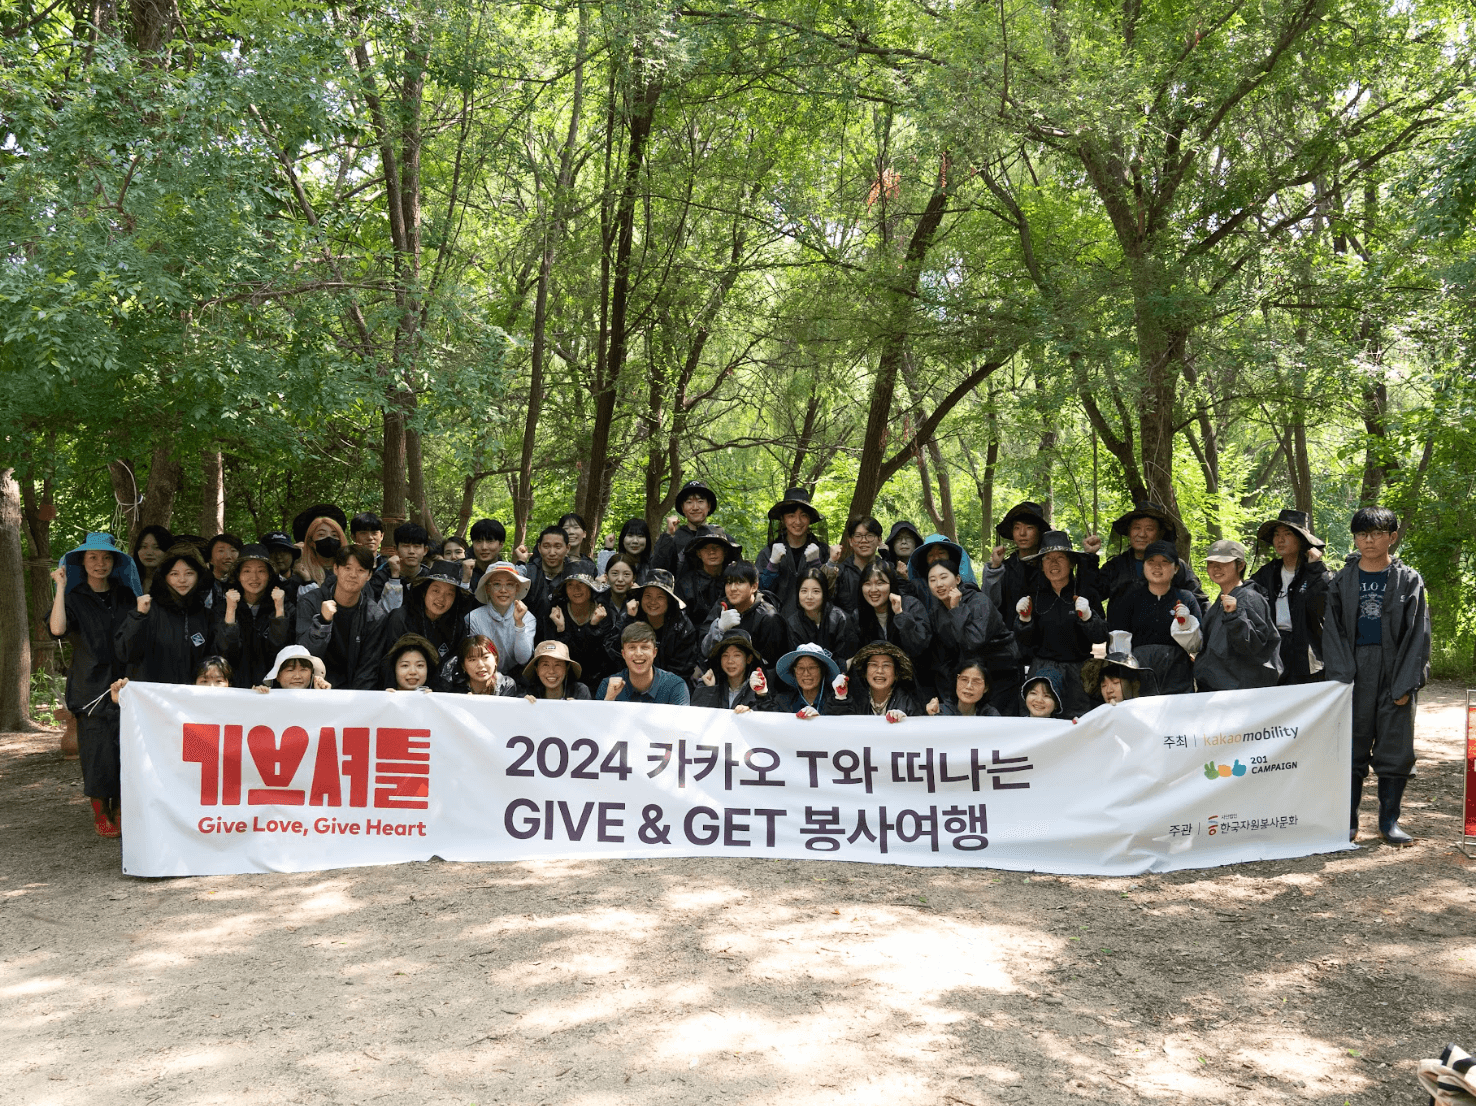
(917, 564)
(124, 572)
(785, 668)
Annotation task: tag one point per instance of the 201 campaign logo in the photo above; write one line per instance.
(1258, 765)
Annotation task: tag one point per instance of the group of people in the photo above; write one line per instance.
(889, 623)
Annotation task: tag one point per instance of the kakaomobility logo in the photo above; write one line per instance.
(1269, 733)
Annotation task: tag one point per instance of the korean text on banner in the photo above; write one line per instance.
(223, 781)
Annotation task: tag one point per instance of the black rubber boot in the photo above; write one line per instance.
(1391, 795)
(1357, 798)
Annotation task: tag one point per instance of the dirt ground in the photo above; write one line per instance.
(741, 981)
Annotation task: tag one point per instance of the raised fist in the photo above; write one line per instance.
(519, 610)
(233, 599)
(1083, 608)
(632, 607)
(1314, 554)
(598, 616)
(278, 598)
(1181, 613)
(728, 619)
(709, 679)
(613, 687)
(840, 685)
(145, 601)
(758, 683)
(328, 610)
(1228, 602)
(953, 598)
(902, 570)
(776, 552)
(996, 556)
(1022, 609)
(520, 554)
(59, 576)
(1093, 543)
(393, 560)
(556, 616)
(812, 553)
(896, 603)
(934, 706)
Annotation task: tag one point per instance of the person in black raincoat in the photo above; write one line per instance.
(695, 502)
(735, 678)
(890, 612)
(1377, 638)
(1055, 623)
(862, 546)
(970, 694)
(808, 677)
(796, 542)
(148, 552)
(936, 547)
(700, 581)
(819, 621)
(552, 563)
(880, 684)
(902, 541)
(1296, 583)
(1008, 579)
(254, 620)
(97, 586)
(583, 621)
(744, 606)
(965, 623)
(436, 608)
(343, 626)
(170, 631)
(1160, 617)
(1145, 524)
(655, 602)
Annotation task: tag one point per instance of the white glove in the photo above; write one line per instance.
(1022, 609)
(776, 552)
(1185, 631)
(728, 619)
(812, 552)
(1083, 608)
(840, 685)
(1181, 613)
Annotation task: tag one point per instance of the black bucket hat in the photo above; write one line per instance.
(251, 553)
(1299, 522)
(305, 518)
(712, 535)
(696, 487)
(661, 579)
(1027, 511)
(794, 497)
(1055, 541)
(595, 587)
(739, 637)
(1148, 509)
(445, 572)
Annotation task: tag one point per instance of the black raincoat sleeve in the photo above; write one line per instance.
(92, 627)
(372, 648)
(911, 629)
(973, 628)
(676, 647)
(1059, 633)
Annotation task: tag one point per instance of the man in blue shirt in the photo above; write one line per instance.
(1376, 636)
(640, 681)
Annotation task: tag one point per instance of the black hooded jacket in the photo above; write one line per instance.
(910, 630)
(1117, 577)
(589, 644)
(1055, 632)
(167, 644)
(93, 621)
(445, 633)
(974, 628)
(350, 646)
(252, 641)
(836, 631)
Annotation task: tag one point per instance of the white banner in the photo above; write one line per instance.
(222, 781)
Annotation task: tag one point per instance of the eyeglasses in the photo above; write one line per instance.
(1364, 535)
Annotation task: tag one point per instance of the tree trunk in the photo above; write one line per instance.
(212, 492)
(15, 657)
(37, 514)
(601, 467)
(165, 476)
(553, 234)
(393, 510)
(415, 484)
(869, 477)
